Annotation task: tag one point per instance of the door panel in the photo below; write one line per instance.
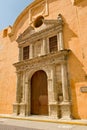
(39, 95)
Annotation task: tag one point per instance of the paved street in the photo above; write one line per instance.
(10, 124)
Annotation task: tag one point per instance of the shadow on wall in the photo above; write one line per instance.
(76, 75)
(68, 34)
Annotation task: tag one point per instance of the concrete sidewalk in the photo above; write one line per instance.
(44, 119)
(11, 124)
(14, 124)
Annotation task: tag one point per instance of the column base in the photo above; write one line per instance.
(22, 109)
(16, 109)
(65, 110)
(53, 110)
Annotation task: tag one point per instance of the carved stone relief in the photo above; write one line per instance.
(54, 64)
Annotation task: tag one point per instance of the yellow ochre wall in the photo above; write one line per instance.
(75, 35)
(8, 55)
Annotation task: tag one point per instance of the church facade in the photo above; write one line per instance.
(43, 61)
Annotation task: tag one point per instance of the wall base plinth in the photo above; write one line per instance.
(16, 109)
(22, 109)
(65, 110)
(53, 110)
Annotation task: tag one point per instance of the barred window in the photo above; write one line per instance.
(26, 53)
(53, 43)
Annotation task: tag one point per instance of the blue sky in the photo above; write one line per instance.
(10, 9)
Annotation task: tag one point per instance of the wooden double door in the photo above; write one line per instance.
(39, 93)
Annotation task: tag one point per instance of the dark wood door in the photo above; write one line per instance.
(39, 93)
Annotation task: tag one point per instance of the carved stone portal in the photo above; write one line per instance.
(54, 64)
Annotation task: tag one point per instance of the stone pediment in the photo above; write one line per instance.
(31, 32)
(28, 31)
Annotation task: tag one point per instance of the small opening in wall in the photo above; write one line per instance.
(38, 22)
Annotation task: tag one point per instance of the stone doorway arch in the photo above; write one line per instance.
(39, 93)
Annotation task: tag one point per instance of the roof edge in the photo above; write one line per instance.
(22, 14)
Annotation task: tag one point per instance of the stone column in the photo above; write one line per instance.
(43, 47)
(65, 105)
(27, 96)
(58, 46)
(53, 104)
(61, 44)
(47, 46)
(16, 104)
(23, 104)
(20, 53)
(64, 79)
(31, 51)
(23, 88)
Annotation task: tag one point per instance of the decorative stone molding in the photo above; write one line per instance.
(56, 58)
(45, 62)
(32, 36)
(41, 8)
(49, 27)
(42, 59)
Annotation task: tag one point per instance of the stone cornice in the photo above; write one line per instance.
(49, 59)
